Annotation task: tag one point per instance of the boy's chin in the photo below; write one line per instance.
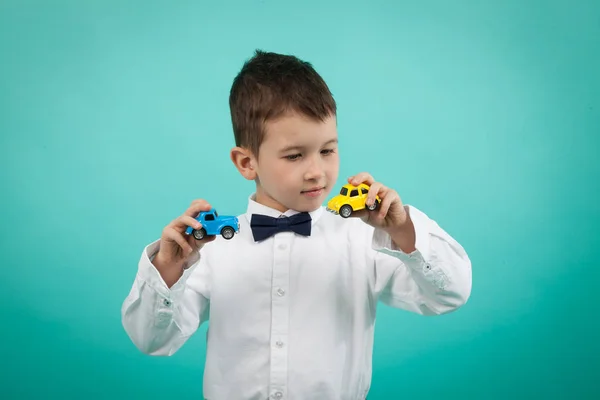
(300, 203)
(310, 204)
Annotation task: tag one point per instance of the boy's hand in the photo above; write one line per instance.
(391, 215)
(176, 246)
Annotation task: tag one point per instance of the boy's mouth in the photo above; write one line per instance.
(313, 192)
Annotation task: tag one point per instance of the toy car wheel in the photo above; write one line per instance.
(199, 233)
(373, 206)
(345, 211)
(227, 232)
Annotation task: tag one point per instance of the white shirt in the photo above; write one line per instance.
(292, 317)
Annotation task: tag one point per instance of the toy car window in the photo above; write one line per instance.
(354, 193)
(364, 190)
(209, 217)
(344, 191)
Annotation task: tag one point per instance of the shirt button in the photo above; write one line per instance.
(282, 246)
(278, 395)
(166, 302)
(279, 343)
(280, 292)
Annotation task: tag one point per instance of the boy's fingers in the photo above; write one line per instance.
(197, 206)
(375, 190)
(178, 238)
(184, 221)
(363, 177)
(386, 202)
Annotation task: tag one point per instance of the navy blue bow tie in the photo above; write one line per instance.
(264, 226)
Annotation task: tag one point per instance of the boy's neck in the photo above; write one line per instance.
(267, 201)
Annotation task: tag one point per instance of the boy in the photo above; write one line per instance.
(292, 313)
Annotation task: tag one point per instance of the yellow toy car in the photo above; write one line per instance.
(351, 198)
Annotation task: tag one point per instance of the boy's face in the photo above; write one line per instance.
(298, 163)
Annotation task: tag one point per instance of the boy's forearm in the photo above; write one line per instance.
(404, 237)
(169, 273)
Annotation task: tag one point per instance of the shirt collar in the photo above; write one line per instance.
(257, 208)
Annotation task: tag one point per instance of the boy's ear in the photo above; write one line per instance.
(245, 162)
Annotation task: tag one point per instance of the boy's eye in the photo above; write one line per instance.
(327, 151)
(293, 156)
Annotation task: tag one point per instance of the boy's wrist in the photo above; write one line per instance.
(403, 236)
(170, 272)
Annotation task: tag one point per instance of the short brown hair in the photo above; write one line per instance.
(269, 85)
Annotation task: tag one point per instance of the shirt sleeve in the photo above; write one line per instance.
(434, 279)
(159, 319)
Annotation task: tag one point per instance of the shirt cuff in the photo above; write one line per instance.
(148, 272)
(420, 259)
(382, 241)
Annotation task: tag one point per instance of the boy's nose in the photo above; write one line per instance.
(314, 171)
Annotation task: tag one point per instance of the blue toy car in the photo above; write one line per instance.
(214, 224)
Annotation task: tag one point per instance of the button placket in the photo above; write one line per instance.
(280, 312)
(435, 275)
(164, 312)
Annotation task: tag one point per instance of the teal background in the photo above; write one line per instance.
(485, 115)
